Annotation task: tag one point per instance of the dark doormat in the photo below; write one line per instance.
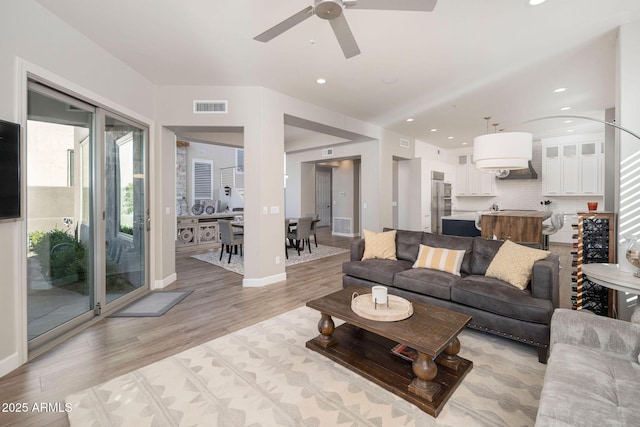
(154, 304)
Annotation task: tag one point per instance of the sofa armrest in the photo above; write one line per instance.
(357, 250)
(613, 337)
(545, 279)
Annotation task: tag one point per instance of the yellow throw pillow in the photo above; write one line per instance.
(379, 245)
(448, 260)
(514, 263)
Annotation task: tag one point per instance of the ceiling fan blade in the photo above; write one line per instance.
(415, 5)
(285, 25)
(345, 37)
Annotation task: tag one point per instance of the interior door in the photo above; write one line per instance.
(323, 197)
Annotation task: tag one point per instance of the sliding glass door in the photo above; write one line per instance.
(126, 212)
(60, 226)
(86, 211)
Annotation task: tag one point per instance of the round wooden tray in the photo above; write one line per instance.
(398, 309)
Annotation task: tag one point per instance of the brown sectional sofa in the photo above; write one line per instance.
(496, 306)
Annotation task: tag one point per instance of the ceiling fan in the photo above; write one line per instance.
(331, 10)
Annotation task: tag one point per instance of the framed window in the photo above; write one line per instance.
(202, 179)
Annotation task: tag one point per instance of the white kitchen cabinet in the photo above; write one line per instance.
(551, 170)
(471, 181)
(572, 167)
(571, 175)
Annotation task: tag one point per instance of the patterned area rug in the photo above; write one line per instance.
(264, 375)
(237, 262)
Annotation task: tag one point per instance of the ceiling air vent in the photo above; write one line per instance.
(209, 107)
(404, 143)
(327, 152)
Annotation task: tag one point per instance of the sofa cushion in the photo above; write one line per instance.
(433, 283)
(376, 270)
(379, 245)
(587, 387)
(496, 296)
(483, 252)
(408, 244)
(452, 242)
(441, 259)
(514, 263)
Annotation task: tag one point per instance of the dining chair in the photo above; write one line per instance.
(301, 234)
(314, 223)
(229, 239)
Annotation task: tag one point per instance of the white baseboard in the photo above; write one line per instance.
(8, 364)
(264, 281)
(159, 284)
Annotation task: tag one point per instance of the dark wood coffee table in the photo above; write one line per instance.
(364, 346)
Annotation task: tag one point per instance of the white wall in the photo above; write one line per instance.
(32, 39)
(628, 111)
(222, 157)
(343, 190)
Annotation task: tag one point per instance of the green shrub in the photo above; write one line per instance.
(62, 258)
(126, 230)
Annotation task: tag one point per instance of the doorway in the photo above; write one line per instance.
(86, 212)
(323, 196)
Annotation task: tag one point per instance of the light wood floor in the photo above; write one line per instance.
(218, 306)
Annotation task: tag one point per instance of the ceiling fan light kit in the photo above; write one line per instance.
(332, 11)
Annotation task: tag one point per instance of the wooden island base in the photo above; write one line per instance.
(369, 355)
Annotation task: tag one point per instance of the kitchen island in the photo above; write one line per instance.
(460, 224)
(517, 226)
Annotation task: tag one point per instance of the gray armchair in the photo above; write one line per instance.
(593, 374)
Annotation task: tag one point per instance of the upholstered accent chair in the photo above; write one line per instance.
(230, 240)
(301, 234)
(593, 374)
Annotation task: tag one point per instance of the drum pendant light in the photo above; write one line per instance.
(502, 151)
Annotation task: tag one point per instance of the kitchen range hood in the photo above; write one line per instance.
(528, 173)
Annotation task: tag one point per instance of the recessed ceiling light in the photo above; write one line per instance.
(568, 121)
(465, 143)
(535, 2)
(449, 137)
(409, 120)
(321, 81)
(433, 130)
(565, 108)
(560, 89)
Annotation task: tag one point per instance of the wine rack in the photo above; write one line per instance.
(595, 243)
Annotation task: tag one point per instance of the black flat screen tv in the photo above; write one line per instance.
(9, 170)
